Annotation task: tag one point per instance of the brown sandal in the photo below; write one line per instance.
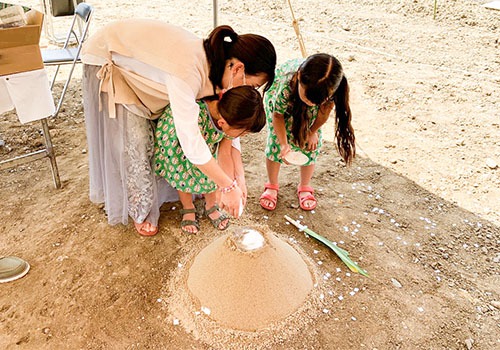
(194, 222)
(143, 232)
(217, 222)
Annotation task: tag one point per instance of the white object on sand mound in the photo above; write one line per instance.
(247, 239)
(249, 279)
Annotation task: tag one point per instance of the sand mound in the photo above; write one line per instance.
(247, 280)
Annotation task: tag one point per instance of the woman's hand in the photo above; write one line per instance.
(312, 141)
(230, 201)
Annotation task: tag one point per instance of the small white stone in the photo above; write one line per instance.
(158, 300)
(315, 251)
(341, 297)
(322, 296)
(326, 311)
(176, 322)
(320, 262)
(420, 309)
(353, 318)
(205, 310)
(491, 163)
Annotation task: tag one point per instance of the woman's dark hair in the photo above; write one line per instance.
(242, 108)
(323, 80)
(256, 52)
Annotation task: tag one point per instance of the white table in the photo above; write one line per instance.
(30, 95)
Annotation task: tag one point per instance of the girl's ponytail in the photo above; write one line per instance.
(344, 132)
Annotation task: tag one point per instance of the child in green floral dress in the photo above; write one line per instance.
(238, 111)
(297, 105)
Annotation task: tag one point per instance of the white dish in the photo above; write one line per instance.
(296, 158)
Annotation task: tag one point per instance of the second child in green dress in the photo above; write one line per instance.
(238, 111)
(297, 105)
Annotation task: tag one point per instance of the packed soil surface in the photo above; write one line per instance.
(419, 208)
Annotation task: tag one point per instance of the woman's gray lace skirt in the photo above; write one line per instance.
(120, 155)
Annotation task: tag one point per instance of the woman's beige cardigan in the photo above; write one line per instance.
(161, 45)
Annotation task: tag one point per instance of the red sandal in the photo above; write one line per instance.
(309, 197)
(266, 196)
(146, 229)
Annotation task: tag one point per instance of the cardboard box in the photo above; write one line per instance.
(19, 49)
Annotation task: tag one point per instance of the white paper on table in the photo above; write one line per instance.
(29, 93)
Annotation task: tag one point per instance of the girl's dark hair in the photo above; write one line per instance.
(254, 51)
(242, 108)
(323, 80)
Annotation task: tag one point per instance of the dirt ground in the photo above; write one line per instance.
(419, 209)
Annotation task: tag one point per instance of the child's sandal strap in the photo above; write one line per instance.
(222, 217)
(187, 211)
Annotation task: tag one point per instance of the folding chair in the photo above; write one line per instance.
(58, 57)
(69, 55)
(54, 9)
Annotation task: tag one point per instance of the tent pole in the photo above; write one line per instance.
(297, 32)
(215, 12)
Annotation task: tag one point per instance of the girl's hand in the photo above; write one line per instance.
(312, 140)
(284, 150)
(230, 201)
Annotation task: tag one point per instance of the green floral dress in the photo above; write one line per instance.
(170, 161)
(276, 100)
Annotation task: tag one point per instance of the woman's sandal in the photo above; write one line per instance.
(217, 222)
(194, 222)
(146, 229)
(309, 197)
(268, 197)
